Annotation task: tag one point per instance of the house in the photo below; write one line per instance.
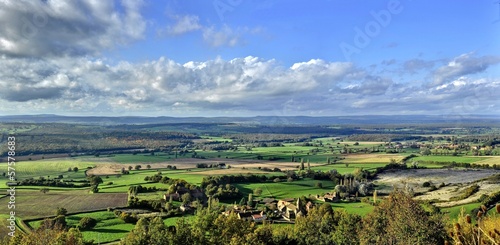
(328, 197)
(289, 210)
(259, 218)
(250, 215)
(245, 215)
(174, 196)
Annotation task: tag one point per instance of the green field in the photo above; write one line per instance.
(458, 159)
(142, 158)
(342, 169)
(50, 167)
(354, 207)
(453, 212)
(172, 220)
(109, 227)
(283, 190)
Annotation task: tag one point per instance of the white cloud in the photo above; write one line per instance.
(462, 65)
(222, 37)
(183, 24)
(163, 82)
(249, 84)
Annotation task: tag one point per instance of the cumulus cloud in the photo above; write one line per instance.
(246, 83)
(462, 65)
(57, 28)
(249, 84)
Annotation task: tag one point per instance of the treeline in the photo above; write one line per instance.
(135, 189)
(51, 182)
(72, 138)
(463, 165)
(217, 180)
(385, 137)
(267, 137)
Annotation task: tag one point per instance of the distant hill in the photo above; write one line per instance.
(261, 120)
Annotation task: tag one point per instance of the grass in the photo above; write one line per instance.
(4, 223)
(108, 233)
(172, 220)
(461, 159)
(122, 183)
(109, 227)
(50, 167)
(142, 158)
(453, 212)
(354, 207)
(342, 169)
(371, 158)
(283, 190)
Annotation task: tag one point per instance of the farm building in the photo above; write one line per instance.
(328, 197)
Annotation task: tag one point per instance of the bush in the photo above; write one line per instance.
(61, 211)
(319, 185)
(426, 184)
(128, 218)
(492, 199)
(257, 191)
(366, 200)
(87, 223)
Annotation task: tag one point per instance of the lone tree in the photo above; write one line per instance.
(61, 211)
(94, 183)
(401, 220)
(44, 190)
(87, 223)
(75, 169)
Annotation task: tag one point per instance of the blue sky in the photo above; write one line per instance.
(250, 57)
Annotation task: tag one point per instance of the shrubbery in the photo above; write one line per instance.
(87, 223)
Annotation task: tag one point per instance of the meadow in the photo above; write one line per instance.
(282, 190)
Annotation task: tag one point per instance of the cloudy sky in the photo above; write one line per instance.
(249, 57)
